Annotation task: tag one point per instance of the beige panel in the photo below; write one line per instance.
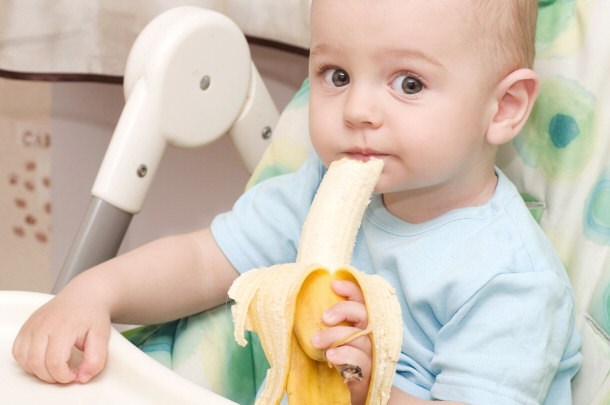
(25, 208)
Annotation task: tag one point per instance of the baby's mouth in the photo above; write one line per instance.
(364, 154)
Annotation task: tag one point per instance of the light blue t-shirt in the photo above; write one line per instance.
(488, 311)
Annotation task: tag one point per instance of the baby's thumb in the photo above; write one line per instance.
(95, 351)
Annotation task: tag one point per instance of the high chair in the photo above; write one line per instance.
(560, 162)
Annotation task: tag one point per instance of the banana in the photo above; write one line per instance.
(284, 303)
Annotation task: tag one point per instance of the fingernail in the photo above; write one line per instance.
(328, 317)
(315, 340)
(83, 378)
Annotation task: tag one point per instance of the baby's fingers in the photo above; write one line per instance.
(57, 357)
(330, 336)
(95, 351)
(21, 347)
(348, 289)
(350, 311)
(34, 358)
(355, 367)
(349, 355)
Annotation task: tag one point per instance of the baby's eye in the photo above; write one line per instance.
(336, 77)
(407, 84)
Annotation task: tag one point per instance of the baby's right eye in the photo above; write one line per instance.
(336, 77)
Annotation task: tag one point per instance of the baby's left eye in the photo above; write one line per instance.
(407, 84)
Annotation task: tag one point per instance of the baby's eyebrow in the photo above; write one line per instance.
(411, 54)
(384, 52)
(323, 49)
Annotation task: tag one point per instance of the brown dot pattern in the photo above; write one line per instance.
(25, 183)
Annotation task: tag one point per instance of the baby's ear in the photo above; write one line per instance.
(514, 99)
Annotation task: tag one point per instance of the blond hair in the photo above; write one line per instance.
(507, 33)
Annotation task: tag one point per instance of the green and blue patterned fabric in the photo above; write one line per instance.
(560, 162)
(562, 157)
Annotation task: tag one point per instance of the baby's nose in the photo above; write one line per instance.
(361, 108)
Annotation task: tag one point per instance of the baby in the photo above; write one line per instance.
(432, 87)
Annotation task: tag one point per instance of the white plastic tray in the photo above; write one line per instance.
(130, 376)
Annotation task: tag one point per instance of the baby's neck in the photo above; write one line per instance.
(422, 205)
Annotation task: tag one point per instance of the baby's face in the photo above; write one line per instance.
(399, 80)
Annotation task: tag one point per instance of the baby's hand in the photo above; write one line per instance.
(44, 344)
(357, 352)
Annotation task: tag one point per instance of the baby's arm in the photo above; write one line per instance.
(163, 280)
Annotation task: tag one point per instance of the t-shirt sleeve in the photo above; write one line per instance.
(264, 226)
(505, 344)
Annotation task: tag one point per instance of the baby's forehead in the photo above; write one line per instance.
(463, 11)
(405, 19)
